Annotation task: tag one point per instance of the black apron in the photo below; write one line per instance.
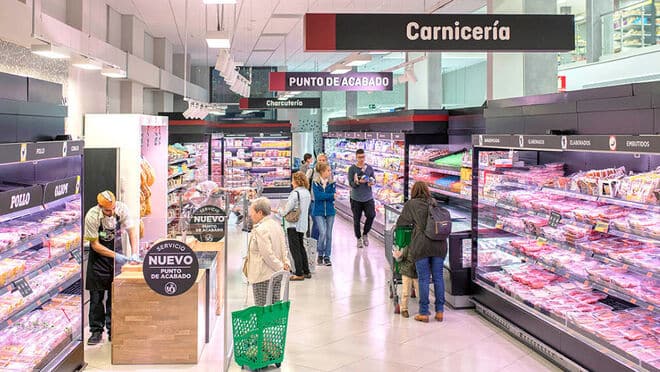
(101, 269)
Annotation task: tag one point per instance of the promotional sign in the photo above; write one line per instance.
(630, 144)
(10, 153)
(325, 81)
(207, 224)
(455, 32)
(170, 268)
(61, 189)
(274, 103)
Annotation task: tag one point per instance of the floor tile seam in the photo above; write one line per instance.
(514, 362)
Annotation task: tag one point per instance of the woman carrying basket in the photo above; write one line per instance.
(267, 253)
(427, 254)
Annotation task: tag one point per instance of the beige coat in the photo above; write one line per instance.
(267, 251)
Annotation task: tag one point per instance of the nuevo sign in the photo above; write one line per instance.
(325, 81)
(170, 267)
(207, 224)
(274, 103)
(418, 32)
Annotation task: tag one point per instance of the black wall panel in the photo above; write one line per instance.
(541, 123)
(657, 121)
(631, 122)
(38, 128)
(44, 92)
(612, 104)
(13, 87)
(8, 128)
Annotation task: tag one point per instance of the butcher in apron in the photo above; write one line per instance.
(103, 226)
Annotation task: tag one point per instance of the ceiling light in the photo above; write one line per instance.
(49, 51)
(339, 68)
(219, 1)
(86, 63)
(358, 60)
(113, 72)
(218, 39)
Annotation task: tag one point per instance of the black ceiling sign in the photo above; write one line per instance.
(421, 32)
(274, 103)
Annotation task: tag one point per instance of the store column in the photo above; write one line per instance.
(132, 41)
(521, 74)
(426, 93)
(163, 58)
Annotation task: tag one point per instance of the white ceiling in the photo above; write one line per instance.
(267, 32)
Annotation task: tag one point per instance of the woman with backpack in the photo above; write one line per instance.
(296, 215)
(428, 246)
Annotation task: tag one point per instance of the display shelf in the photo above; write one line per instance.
(171, 219)
(60, 353)
(454, 171)
(177, 161)
(39, 301)
(179, 174)
(271, 148)
(36, 240)
(436, 190)
(10, 287)
(559, 323)
(177, 188)
(376, 168)
(577, 195)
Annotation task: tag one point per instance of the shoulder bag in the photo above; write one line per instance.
(294, 214)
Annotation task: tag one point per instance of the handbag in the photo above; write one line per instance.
(294, 214)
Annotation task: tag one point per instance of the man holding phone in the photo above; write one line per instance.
(361, 178)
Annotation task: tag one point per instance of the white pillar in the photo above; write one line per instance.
(426, 93)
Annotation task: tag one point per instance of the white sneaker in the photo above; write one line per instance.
(365, 240)
(360, 244)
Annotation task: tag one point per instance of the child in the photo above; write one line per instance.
(408, 276)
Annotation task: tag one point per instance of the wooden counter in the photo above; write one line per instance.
(148, 328)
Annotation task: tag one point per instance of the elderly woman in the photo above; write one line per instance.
(266, 252)
(298, 198)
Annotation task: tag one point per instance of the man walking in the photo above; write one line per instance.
(361, 178)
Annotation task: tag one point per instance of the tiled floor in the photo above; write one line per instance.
(342, 320)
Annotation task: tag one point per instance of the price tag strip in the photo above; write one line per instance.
(23, 287)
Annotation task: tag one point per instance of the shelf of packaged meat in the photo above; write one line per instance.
(36, 339)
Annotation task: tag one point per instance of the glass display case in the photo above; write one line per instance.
(41, 305)
(568, 235)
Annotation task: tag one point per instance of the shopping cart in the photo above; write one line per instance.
(260, 331)
(398, 238)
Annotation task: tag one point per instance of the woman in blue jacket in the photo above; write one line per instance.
(323, 212)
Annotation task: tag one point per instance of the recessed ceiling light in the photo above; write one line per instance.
(86, 63)
(113, 72)
(49, 51)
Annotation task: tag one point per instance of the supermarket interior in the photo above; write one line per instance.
(222, 185)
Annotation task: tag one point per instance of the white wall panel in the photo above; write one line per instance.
(114, 28)
(142, 72)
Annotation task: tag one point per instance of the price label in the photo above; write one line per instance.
(633, 301)
(499, 225)
(541, 241)
(602, 226)
(23, 287)
(650, 308)
(76, 254)
(554, 220)
(606, 290)
(649, 274)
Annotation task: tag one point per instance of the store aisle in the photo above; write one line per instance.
(342, 320)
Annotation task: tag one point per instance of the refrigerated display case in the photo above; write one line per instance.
(41, 305)
(386, 139)
(566, 242)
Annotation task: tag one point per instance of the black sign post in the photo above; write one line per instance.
(170, 268)
(207, 224)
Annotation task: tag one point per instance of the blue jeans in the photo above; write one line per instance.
(324, 223)
(315, 229)
(427, 267)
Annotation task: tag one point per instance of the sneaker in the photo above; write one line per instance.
(319, 261)
(405, 314)
(326, 261)
(365, 240)
(308, 276)
(95, 338)
(360, 244)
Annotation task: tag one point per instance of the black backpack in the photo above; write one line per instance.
(438, 222)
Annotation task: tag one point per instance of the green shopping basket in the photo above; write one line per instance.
(259, 332)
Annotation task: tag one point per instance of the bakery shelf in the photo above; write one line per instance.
(39, 301)
(10, 287)
(454, 171)
(176, 188)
